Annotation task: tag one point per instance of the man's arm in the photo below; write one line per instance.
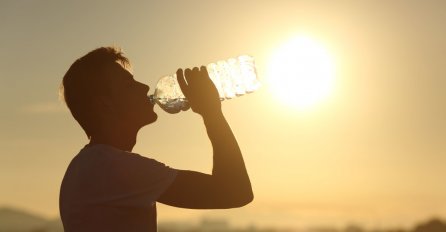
(229, 185)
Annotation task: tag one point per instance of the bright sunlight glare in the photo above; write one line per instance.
(301, 73)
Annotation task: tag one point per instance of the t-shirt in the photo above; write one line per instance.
(107, 189)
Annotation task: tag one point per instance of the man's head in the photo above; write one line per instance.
(99, 90)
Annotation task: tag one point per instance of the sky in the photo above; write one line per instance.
(372, 153)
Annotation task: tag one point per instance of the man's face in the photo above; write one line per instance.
(128, 98)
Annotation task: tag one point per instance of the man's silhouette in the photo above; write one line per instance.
(107, 187)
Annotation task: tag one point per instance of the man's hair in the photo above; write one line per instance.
(85, 80)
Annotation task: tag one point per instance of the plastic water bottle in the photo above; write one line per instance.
(233, 77)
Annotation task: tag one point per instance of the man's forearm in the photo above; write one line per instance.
(228, 165)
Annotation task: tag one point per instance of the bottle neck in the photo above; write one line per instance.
(152, 99)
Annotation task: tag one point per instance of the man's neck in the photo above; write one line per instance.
(121, 139)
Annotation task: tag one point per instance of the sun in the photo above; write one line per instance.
(301, 73)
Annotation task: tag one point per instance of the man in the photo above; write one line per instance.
(107, 187)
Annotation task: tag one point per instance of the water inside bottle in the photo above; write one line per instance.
(170, 105)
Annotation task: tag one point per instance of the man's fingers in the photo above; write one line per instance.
(204, 73)
(181, 82)
(191, 76)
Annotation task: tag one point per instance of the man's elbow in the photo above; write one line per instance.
(248, 199)
(243, 199)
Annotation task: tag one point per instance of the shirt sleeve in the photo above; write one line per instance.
(132, 180)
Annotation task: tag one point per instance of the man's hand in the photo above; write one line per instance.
(199, 90)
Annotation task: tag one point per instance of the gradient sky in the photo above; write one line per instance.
(373, 153)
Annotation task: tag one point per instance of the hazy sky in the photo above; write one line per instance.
(373, 153)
